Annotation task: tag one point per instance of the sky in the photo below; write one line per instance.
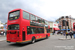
(50, 10)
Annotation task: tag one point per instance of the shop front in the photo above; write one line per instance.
(55, 28)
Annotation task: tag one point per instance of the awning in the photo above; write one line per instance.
(63, 29)
(56, 28)
(68, 29)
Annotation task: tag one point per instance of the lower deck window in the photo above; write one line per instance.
(48, 30)
(34, 30)
(13, 27)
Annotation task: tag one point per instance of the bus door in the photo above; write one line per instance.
(28, 37)
(23, 33)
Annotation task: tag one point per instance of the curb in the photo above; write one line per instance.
(2, 40)
(2, 36)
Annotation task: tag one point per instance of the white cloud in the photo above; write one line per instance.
(47, 9)
(58, 8)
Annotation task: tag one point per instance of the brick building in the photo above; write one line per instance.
(51, 26)
(66, 22)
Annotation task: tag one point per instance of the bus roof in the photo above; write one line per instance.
(28, 12)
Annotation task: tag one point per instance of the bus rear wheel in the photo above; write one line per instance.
(33, 40)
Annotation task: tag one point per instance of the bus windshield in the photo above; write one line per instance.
(14, 15)
(13, 27)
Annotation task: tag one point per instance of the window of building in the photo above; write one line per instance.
(63, 22)
(25, 15)
(32, 17)
(66, 16)
(67, 23)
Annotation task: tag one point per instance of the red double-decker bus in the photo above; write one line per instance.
(26, 27)
(74, 26)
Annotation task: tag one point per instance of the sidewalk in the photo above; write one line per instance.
(61, 37)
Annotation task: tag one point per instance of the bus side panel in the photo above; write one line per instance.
(42, 35)
(35, 35)
(8, 38)
(38, 36)
(74, 26)
(48, 34)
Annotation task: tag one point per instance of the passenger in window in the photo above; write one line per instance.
(36, 31)
(28, 32)
(32, 31)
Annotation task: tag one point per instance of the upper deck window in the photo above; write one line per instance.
(25, 15)
(32, 17)
(46, 22)
(14, 15)
(38, 19)
(43, 21)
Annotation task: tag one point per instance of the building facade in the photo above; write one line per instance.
(53, 26)
(66, 22)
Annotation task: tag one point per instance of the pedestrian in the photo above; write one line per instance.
(53, 32)
(61, 32)
(74, 34)
(0, 32)
(66, 34)
(70, 34)
(56, 32)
